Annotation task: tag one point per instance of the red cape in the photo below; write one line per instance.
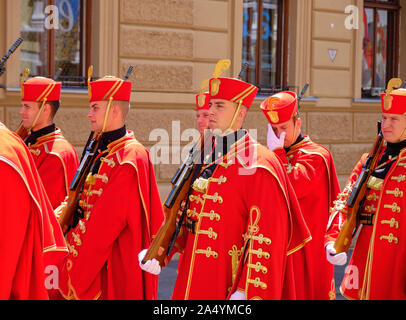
(123, 215)
(41, 241)
(56, 161)
(312, 173)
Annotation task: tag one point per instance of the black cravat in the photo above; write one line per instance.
(33, 137)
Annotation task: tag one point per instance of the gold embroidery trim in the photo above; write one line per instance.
(110, 162)
(258, 267)
(215, 197)
(198, 199)
(392, 222)
(370, 208)
(373, 197)
(210, 233)
(259, 238)
(72, 250)
(235, 255)
(257, 283)
(397, 192)
(93, 192)
(82, 226)
(192, 213)
(219, 180)
(331, 293)
(259, 253)
(85, 205)
(208, 252)
(212, 215)
(401, 164)
(103, 177)
(36, 152)
(225, 165)
(399, 178)
(77, 239)
(394, 207)
(390, 238)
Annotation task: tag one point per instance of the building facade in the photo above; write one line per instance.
(346, 50)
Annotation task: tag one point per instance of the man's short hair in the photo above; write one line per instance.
(123, 105)
(54, 107)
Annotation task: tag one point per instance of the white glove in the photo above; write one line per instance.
(238, 295)
(334, 258)
(273, 141)
(151, 266)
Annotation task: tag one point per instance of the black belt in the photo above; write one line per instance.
(367, 219)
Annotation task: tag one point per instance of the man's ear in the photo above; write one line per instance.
(299, 123)
(115, 109)
(47, 109)
(242, 113)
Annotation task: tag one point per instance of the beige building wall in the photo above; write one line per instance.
(175, 44)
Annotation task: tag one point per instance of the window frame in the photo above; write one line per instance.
(392, 63)
(281, 54)
(85, 46)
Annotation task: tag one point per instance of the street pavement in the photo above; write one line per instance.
(168, 276)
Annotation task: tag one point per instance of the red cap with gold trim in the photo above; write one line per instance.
(280, 107)
(394, 102)
(233, 90)
(202, 101)
(39, 88)
(109, 87)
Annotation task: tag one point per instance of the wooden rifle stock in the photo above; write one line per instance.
(181, 185)
(160, 244)
(22, 131)
(68, 210)
(355, 201)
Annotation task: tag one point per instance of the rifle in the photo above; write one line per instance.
(70, 207)
(356, 199)
(303, 91)
(245, 65)
(127, 75)
(22, 131)
(182, 180)
(69, 213)
(75, 188)
(9, 53)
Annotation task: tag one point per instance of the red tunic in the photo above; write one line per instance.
(30, 236)
(241, 241)
(57, 162)
(123, 214)
(311, 171)
(378, 262)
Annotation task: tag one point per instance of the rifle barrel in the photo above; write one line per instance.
(11, 50)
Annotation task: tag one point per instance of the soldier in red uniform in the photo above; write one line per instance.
(202, 111)
(54, 156)
(235, 244)
(378, 262)
(121, 204)
(30, 237)
(311, 171)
